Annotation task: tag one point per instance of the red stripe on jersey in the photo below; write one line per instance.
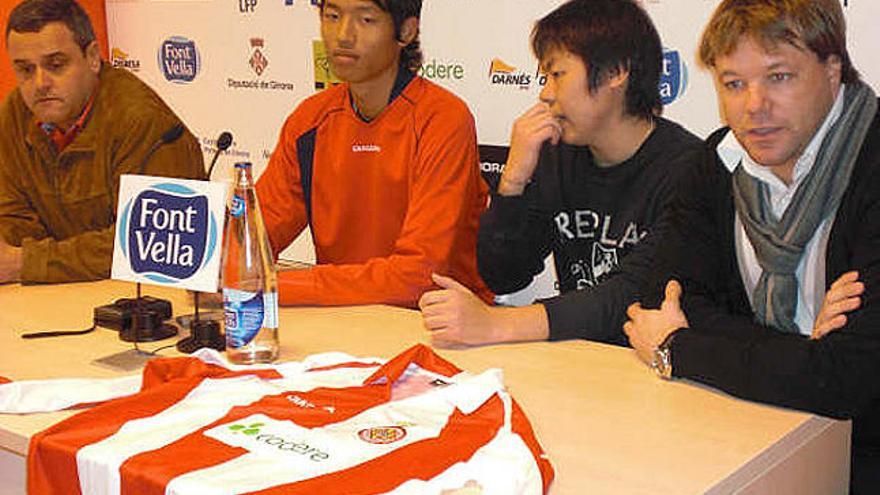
(52, 452)
(163, 370)
(462, 436)
(419, 354)
(149, 472)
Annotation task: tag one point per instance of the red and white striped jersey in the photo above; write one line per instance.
(330, 424)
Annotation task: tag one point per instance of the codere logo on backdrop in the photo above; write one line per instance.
(673, 78)
(179, 59)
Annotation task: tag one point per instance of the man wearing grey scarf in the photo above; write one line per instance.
(777, 240)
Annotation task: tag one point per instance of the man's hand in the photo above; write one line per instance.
(647, 328)
(455, 316)
(10, 263)
(843, 297)
(530, 131)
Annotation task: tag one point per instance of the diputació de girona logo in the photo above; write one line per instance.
(167, 233)
(179, 59)
(382, 435)
(673, 77)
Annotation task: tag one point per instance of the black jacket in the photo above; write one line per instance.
(838, 375)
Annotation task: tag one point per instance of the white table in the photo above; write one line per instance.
(607, 422)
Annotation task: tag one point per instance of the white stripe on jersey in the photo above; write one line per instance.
(98, 464)
(424, 415)
(504, 466)
(30, 396)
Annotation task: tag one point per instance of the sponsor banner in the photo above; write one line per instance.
(169, 232)
(492, 161)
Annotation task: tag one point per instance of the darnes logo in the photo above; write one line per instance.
(179, 59)
(167, 233)
(673, 78)
(120, 60)
(503, 74)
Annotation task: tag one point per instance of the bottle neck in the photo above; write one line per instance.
(243, 177)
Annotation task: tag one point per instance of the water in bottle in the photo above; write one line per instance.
(250, 290)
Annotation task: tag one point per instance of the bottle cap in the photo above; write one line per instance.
(243, 165)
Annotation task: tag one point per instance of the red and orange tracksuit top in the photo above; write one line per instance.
(388, 201)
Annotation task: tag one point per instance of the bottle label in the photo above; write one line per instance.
(246, 313)
(237, 208)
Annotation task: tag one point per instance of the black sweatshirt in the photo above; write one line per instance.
(591, 219)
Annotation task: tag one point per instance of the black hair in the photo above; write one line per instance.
(609, 36)
(401, 10)
(31, 16)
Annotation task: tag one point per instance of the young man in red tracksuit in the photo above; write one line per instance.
(383, 168)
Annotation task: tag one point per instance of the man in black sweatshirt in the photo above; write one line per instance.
(592, 168)
(787, 202)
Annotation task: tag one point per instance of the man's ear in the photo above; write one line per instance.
(93, 57)
(618, 78)
(409, 30)
(834, 70)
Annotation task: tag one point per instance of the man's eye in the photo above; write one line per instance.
(734, 85)
(780, 76)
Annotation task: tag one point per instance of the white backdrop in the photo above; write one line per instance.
(243, 65)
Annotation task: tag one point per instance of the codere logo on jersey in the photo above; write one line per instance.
(673, 78)
(167, 232)
(266, 436)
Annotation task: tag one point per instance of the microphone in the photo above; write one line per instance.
(224, 141)
(172, 134)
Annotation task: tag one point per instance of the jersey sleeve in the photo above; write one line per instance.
(446, 189)
(280, 192)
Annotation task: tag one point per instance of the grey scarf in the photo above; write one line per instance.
(779, 244)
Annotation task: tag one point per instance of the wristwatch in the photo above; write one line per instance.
(662, 359)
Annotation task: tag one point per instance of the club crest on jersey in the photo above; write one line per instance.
(382, 435)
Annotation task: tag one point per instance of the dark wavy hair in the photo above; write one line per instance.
(608, 36)
(31, 16)
(401, 10)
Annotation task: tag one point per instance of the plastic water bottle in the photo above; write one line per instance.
(250, 288)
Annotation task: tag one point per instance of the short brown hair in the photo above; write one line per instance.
(815, 25)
